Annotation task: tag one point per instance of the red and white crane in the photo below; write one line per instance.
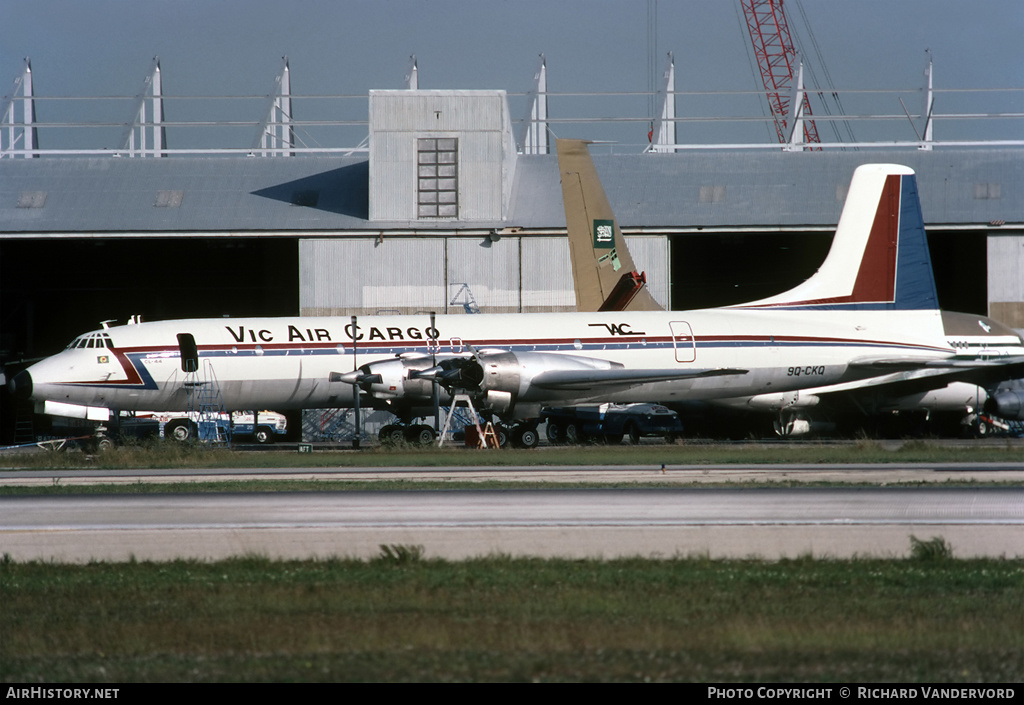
(780, 69)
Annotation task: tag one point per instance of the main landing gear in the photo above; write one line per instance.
(521, 435)
(415, 434)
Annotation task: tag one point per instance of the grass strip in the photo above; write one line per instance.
(169, 455)
(404, 617)
(272, 486)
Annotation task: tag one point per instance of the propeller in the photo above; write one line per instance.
(358, 376)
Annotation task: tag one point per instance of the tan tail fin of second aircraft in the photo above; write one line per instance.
(602, 268)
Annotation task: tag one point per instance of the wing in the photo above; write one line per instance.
(1003, 364)
(915, 377)
(587, 380)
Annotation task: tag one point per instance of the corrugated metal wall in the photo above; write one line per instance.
(547, 275)
(364, 276)
(650, 254)
(1006, 278)
(345, 276)
(483, 274)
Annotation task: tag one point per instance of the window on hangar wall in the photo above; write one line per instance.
(437, 163)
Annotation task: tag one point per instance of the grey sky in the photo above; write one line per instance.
(234, 47)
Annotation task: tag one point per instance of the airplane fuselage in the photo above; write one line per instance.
(287, 363)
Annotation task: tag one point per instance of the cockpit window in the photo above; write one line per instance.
(93, 340)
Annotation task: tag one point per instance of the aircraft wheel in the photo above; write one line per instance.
(104, 444)
(572, 434)
(420, 434)
(555, 433)
(526, 437)
(634, 433)
(264, 436)
(391, 435)
(181, 431)
(503, 434)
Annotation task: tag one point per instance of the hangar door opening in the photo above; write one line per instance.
(51, 291)
(722, 269)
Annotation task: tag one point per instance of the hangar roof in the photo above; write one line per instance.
(297, 196)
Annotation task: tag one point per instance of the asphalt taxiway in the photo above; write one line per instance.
(669, 474)
(768, 522)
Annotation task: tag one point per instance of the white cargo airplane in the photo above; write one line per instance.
(870, 311)
(606, 279)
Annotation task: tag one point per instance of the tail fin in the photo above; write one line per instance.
(879, 257)
(602, 268)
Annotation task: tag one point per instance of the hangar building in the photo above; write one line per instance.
(446, 212)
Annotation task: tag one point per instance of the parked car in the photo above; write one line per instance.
(263, 427)
(610, 422)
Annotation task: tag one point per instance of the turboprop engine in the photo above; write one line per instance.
(1007, 404)
(499, 378)
(506, 378)
(392, 379)
(781, 401)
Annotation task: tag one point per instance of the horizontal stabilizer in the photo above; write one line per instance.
(910, 363)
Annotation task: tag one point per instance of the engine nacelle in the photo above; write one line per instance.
(506, 378)
(782, 400)
(390, 379)
(1006, 405)
(515, 372)
(499, 379)
(956, 396)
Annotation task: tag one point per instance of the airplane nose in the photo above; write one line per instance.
(20, 385)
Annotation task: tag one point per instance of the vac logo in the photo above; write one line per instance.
(617, 328)
(604, 234)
